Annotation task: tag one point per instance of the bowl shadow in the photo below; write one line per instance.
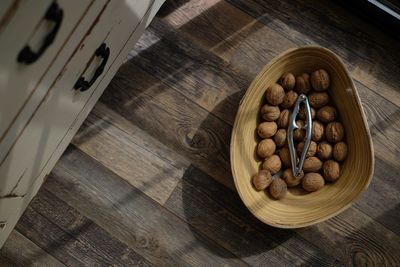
(216, 211)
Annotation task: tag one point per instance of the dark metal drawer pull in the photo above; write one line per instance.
(55, 14)
(104, 52)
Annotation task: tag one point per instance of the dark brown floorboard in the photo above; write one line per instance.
(147, 180)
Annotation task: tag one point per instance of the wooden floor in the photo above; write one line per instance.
(146, 181)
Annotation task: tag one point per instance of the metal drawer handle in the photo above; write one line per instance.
(54, 14)
(104, 52)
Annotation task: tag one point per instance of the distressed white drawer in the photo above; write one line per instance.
(16, 13)
(6, 10)
(25, 85)
(27, 26)
(61, 106)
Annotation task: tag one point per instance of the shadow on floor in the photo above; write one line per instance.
(170, 6)
(217, 212)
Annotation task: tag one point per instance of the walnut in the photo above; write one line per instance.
(266, 148)
(275, 94)
(270, 113)
(284, 154)
(290, 179)
(313, 182)
(288, 81)
(330, 170)
(340, 151)
(317, 131)
(334, 132)
(262, 180)
(312, 164)
(302, 113)
(299, 134)
(320, 80)
(284, 117)
(312, 149)
(303, 85)
(324, 150)
(326, 114)
(318, 99)
(267, 129)
(278, 188)
(272, 164)
(289, 100)
(280, 137)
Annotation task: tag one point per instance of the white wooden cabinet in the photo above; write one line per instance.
(57, 57)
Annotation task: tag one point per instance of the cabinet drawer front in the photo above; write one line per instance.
(29, 27)
(40, 88)
(7, 9)
(15, 12)
(63, 103)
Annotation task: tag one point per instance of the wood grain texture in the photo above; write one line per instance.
(133, 157)
(372, 56)
(20, 251)
(203, 202)
(109, 250)
(54, 241)
(362, 240)
(183, 68)
(130, 216)
(219, 213)
(164, 125)
(173, 119)
(72, 234)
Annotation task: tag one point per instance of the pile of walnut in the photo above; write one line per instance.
(327, 148)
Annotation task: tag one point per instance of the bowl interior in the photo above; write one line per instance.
(298, 209)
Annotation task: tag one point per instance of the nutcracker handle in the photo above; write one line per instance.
(297, 164)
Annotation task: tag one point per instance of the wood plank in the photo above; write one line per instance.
(384, 122)
(356, 239)
(190, 70)
(141, 137)
(198, 200)
(108, 250)
(381, 198)
(20, 251)
(381, 201)
(130, 216)
(231, 39)
(54, 241)
(173, 119)
(205, 203)
(130, 153)
(82, 244)
(372, 56)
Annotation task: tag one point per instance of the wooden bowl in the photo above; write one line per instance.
(297, 208)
